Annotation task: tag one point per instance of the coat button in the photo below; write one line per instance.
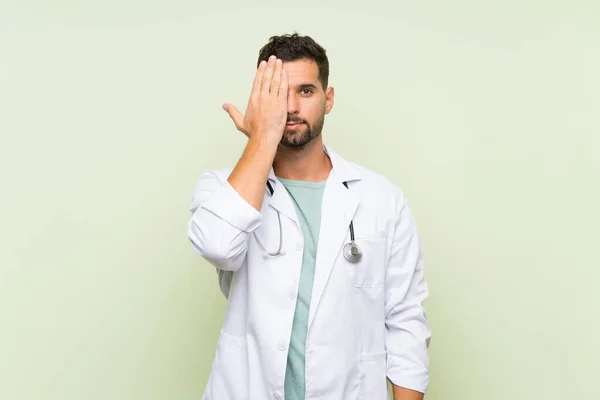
(277, 396)
(282, 345)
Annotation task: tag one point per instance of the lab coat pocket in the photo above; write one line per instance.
(369, 271)
(372, 376)
(229, 375)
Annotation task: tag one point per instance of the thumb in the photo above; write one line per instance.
(236, 116)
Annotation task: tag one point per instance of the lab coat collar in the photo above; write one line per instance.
(343, 170)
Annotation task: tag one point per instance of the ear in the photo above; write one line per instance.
(329, 99)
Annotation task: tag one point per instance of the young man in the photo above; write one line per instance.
(319, 257)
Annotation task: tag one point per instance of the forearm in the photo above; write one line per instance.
(249, 176)
(401, 393)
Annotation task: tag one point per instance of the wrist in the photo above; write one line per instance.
(266, 139)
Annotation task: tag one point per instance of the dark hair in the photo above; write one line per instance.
(295, 47)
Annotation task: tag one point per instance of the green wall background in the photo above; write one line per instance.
(486, 113)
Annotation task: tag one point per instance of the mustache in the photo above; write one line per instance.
(295, 120)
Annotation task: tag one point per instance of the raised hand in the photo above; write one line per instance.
(266, 113)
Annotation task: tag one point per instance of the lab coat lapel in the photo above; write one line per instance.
(338, 209)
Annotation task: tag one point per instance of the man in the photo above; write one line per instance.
(319, 257)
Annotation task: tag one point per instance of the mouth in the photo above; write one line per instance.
(292, 125)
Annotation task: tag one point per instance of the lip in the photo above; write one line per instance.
(293, 124)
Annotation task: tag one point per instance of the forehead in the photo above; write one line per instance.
(300, 72)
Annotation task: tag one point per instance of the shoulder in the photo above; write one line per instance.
(376, 182)
(386, 197)
(208, 183)
(211, 179)
(378, 191)
(364, 179)
(219, 173)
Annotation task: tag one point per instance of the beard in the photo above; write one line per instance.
(301, 137)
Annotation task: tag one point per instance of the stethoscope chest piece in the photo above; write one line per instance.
(352, 252)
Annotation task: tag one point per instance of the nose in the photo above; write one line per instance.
(292, 104)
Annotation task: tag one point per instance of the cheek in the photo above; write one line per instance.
(313, 109)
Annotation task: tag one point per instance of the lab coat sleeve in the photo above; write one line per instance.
(407, 329)
(221, 223)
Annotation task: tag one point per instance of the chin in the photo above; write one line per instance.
(296, 141)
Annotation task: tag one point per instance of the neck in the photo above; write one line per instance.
(309, 163)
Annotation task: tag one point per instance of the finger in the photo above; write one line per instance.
(258, 78)
(236, 116)
(283, 87)
(276, 77)
(268, 75)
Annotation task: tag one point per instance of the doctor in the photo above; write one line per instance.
(319, 257)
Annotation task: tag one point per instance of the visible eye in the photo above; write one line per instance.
(306, 91)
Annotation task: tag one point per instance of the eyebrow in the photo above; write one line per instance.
(307, 86)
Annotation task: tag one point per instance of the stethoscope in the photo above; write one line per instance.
(351, 251)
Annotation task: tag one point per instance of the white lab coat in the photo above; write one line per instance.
(366, 320)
